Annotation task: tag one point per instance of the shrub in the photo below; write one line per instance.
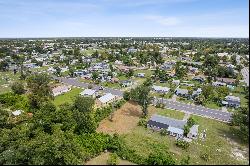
(90, 86)
(113, 159)
(102, 113)
(18, 88)
(119, 103)
(163, 132)
(205, 156)
(182, 144)
(160, 159)
(142, 122)
(126, 95)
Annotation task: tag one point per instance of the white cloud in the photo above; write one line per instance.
(166, 21)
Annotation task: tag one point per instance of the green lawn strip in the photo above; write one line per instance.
(67, 97)
(171, 113)
(111, 85)
(212, 105)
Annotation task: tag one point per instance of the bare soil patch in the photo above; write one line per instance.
(124, 120)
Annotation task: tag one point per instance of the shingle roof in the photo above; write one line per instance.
(157, 124)
(168, 121)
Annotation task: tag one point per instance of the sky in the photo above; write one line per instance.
(124, 18)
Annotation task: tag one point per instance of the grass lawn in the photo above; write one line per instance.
(111, 85)
(170, 113)
(212, 105)
(67, 97)
(218, 145)
(166, 84)
(148, 73)
(5, 86)
(102, 160)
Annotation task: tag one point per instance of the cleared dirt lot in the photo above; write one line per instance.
(124, 120)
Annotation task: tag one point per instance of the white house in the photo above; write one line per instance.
(160, 89)
(88, 93)
(193, 132)
(141, 75)
(60, 90)
(107, 98)
(176, 82)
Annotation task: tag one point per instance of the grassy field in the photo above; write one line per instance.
(67, 97)
(218, 144)
(102, 160)
(170, 113)
(5, 86)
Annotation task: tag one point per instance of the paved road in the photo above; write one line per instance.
(245, 73)
(194, 109)
(198, 110)
(75, 82)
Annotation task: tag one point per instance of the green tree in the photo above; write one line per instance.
(160, 159)
(240, 119)
(126, 95)
(83, 115)
(18, 88)
(38, 85)
(141, 95)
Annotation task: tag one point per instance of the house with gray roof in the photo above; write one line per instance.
(181, 92)
(231, 101)
(173, 126)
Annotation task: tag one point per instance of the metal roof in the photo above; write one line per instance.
(89, 92)
(106, 98)
(168, 121)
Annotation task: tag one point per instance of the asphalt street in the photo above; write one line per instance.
(245, 73)
(196, 109)
(193, 109)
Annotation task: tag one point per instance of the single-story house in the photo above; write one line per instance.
(173, 126)
(106, 99)
(176, 82)
(60, 90)
(88, 93)
(193, 132)
(142, 75)
(229, 81)
(160, 89)
(198, 78)
(197, 92)
(126, 83)
(193, 69)
(231, 101)
(219, 83)
(181, 92)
